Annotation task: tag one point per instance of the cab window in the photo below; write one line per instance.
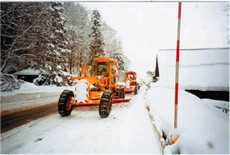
(102, 68)
(130, 76)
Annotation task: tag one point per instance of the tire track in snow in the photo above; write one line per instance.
(155, 130)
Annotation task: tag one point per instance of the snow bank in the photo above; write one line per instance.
(201, 69)
(28, 87)
(222, 105)
(30, 95)
(28, 71)
(202, 127)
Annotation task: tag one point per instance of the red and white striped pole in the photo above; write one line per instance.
(177, 66)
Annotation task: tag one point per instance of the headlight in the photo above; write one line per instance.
(99, 77)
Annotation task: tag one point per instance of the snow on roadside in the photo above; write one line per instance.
(222, 105)
(206, 69)
(140, 120)
(202, 127)
(28, 87)
(30, 95)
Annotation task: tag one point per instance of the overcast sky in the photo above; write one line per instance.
(145, 27)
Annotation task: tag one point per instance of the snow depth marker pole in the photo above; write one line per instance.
(177, 66)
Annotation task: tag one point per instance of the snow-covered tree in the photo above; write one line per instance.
(53, 37)
(97, 41)
(18, 21)
(113, 49)
(110, 38)
(55, 47)
(77, 22)
(19, 39)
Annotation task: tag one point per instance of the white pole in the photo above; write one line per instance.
(177, 66)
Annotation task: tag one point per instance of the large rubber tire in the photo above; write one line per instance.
(121, 92)
(135, 90)
(105, 106)
(63, 103)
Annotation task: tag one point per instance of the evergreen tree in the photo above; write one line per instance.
(97, 42)
(55, 47)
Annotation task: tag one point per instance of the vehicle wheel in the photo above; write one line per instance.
(121, 92)
(64, 106)
(135, 91)
(106, 103)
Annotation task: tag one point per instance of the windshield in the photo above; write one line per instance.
(102, 67)
(130, 76)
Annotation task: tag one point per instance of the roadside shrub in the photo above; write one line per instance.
(9, 82)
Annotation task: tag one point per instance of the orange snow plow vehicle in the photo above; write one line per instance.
(131, 84)
(97, 86)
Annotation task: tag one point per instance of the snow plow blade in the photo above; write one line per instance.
(121, 100)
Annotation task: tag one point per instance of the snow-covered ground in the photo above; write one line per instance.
(28, 87)
(203, 125)
(222, 105)
(127, 130)
(199, 69)
(30, 95)
(202, 128)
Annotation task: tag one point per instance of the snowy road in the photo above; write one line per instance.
(127, 130)
(21, 108)
(15, 118)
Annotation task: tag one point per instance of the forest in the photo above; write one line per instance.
(55, 38)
